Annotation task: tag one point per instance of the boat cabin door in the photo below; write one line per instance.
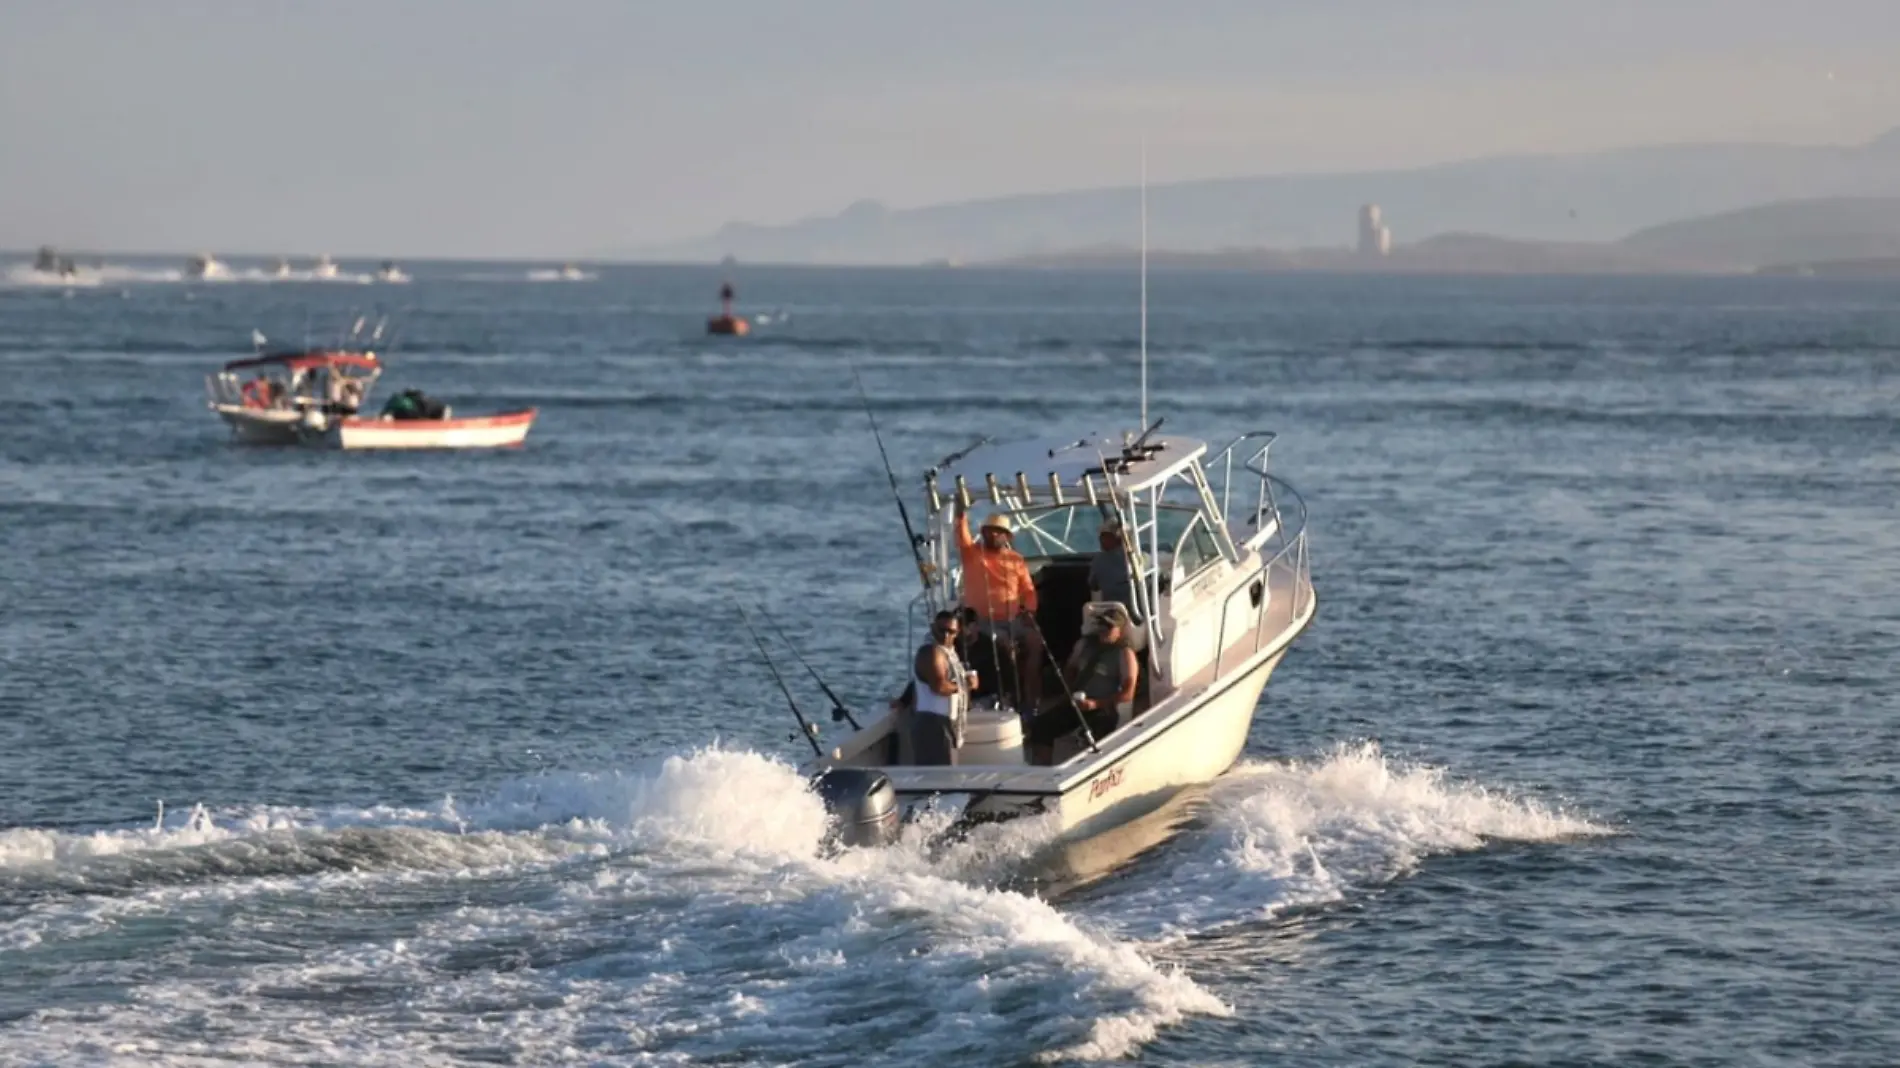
(1183, 564)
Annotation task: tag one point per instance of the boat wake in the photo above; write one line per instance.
(681, 911)
(566, 274)
(1273, 838)
(23, 276)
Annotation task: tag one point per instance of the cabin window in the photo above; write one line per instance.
(1196, 549)
(1066, 530)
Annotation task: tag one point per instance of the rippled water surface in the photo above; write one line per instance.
(1589, 758)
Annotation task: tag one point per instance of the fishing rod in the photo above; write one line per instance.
(960, 454)
(903, 512)
(1088, 734)
(1146, 434)
(810, 732)
(838, 711)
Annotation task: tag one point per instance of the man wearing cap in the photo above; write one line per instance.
(1103, 672)
(997, 587)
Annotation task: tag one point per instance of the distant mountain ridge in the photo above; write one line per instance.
(1834, 235)
(1594, 197)
(1827, 229)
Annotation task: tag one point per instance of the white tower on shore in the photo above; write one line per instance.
(1375, 238)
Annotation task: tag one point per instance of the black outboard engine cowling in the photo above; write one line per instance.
(862, 804)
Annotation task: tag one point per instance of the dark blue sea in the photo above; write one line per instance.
(1591, 756)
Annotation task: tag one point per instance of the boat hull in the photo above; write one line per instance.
(1188, 739)
(1204, 744)
(507, 430)
(262, 426)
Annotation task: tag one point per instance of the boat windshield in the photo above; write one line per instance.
(1071, 529)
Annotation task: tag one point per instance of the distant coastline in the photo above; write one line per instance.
(1589, 212)
(1826, 236)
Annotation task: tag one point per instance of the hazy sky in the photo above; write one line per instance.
(473, 127)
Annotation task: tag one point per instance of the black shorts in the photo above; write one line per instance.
(1061, 720)
(932, 739)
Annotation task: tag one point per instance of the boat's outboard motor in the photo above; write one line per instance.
(862, 804)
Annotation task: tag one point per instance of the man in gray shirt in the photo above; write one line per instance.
(1108, 572)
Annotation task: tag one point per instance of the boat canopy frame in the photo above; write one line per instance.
(305, 379)
(1161, 491)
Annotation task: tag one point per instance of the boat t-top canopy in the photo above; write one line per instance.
(1137, 464)
(304, 361)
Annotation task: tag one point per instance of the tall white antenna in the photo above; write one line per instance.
(1144, 282)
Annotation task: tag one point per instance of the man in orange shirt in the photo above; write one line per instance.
(997, 587)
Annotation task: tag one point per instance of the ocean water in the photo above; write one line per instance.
(1590, 756)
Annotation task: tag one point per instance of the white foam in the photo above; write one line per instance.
(737, 799)
(710, 925)
(32, 847)
(22, 275)
(260, 274)
(1287, 835)
(702, 920)
(542, 274)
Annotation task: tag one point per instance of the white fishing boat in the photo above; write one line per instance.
(275, 399)
(313, 398)
(323, 269)
(1217, 560)
(391, 273)
(280, 269)
(1218, 587)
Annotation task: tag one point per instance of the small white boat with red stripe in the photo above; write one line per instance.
(506, 430)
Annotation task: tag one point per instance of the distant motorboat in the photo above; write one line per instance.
(49, 261)
(205, 267)
(572, 273)
(325, 267)
(281, 269)
(389, 272)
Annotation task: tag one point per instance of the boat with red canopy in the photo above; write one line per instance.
(315, 396)
(277, 399)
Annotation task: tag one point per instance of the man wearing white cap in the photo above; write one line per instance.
(997, 587)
